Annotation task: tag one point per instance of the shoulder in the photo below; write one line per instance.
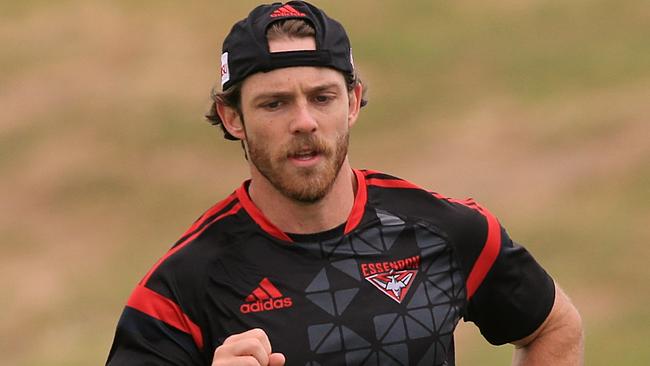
(201, 245)
(473, 231)
(406, 198)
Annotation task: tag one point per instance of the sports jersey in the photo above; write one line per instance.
(388, 287)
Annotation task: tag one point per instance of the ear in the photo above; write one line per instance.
(355, 104)
(232, 121)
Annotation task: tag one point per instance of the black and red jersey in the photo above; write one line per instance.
(386, 288)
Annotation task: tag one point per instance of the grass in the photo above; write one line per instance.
(537, 109)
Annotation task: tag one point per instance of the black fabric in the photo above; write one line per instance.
(333, 298)
(316, 237)
(529, 290)
(142, 340)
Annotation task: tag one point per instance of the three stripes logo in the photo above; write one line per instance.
(286, 11)
(265, 297)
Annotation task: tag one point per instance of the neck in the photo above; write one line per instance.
(297, 217)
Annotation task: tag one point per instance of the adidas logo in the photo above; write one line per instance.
(265, 297)
(286, 11)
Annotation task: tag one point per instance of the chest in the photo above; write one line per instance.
(388, 294)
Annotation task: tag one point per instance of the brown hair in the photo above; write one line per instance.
(290, 28)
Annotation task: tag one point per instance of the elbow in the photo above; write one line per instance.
(574, 330)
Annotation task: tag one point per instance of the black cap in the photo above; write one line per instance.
(246, 49)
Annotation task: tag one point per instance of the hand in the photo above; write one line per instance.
(248, 348)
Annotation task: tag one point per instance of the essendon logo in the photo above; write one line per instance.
(265, 297)
(286, 11)
(393, 278)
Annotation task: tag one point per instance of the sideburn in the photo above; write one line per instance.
(243, 145)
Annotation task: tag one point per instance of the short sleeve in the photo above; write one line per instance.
(514, 298)
(153, 330)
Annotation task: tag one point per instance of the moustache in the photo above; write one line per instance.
(307, 145)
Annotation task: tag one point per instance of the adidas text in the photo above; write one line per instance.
(266, 305)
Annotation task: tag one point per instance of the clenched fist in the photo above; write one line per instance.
(248, 348)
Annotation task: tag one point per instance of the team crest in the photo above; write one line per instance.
(395, 284)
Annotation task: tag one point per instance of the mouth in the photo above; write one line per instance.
(304, 155)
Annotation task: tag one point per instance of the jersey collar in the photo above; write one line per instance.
(354, 218)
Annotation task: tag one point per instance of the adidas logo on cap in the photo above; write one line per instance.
(286, 11)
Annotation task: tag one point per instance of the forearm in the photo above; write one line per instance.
(559, 341)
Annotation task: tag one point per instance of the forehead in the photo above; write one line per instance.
(284, 44)
(289, 78)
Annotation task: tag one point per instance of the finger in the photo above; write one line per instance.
(239, 361)
(276, 359)
(256, 333)
(241, 348)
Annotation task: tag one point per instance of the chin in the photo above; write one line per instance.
(306, 188)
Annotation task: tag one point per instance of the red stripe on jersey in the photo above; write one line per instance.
(216, 208)
(490, 250)
(391, 183)
(258, 216)
(370, 172)
(267, 286)
(488, 255)
(466, 202)
(189, 239)
(165, 310)
(359, 205)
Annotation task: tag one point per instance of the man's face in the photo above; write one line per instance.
(297, 122)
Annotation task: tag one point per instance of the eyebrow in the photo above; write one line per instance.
(281, 94)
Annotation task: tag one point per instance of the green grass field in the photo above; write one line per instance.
(538, 109)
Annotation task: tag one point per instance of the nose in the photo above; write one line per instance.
(303, 120)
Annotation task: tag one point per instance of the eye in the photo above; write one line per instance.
(273, 105)
(323, 98)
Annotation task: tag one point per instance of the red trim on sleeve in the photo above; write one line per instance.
(258, 216)
(490, 250)
(189, 239)
(360, 199)
(488, 255)
(165, 310)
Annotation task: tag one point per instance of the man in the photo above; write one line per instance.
(311, 262)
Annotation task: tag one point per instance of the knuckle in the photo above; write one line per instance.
(258, 332)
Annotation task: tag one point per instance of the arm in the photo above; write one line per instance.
(558, 341)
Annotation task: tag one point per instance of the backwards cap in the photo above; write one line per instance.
(246, 48)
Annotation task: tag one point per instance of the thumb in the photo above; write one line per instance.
(276, 359)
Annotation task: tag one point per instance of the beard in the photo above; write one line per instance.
(302, 184)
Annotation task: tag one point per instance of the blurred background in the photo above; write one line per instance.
(540, 110)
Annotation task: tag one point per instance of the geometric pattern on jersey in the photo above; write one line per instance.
(434, 308)
(372, 241)
(375, 240)
(431, 312)
(326, 338)
(334, 302)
